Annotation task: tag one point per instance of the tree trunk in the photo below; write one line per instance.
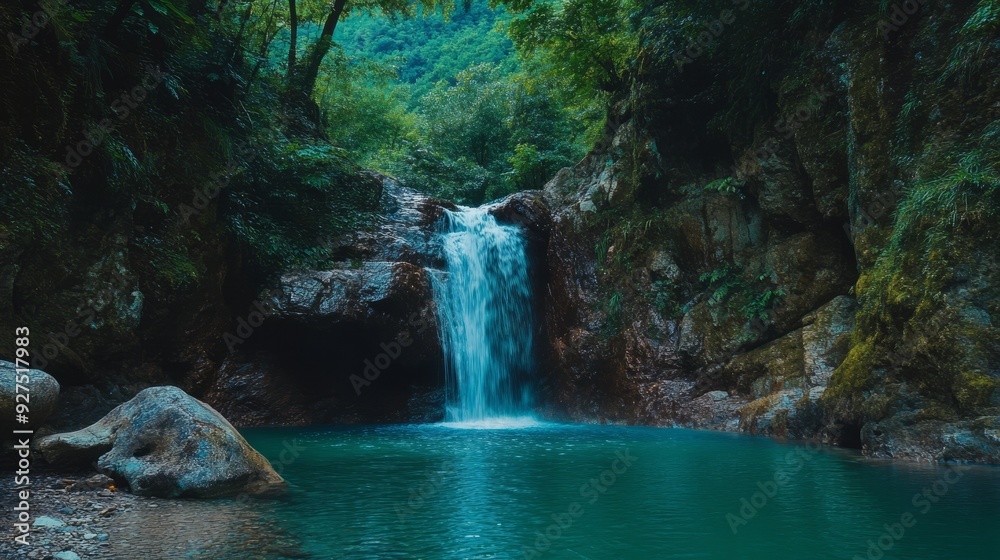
(321, 48)
(293, 29)
(238, 42)
(270, 31)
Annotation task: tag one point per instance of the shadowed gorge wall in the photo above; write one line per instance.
(805, 250)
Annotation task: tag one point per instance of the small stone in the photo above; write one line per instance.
(67, 510)
(66, 555)
(102, 537)
(89, 536)
(96, 482)
(45, 521)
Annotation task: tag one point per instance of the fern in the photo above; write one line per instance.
(759, 306)
(728, 185)
(976, 43)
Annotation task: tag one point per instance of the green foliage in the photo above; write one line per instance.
(485, 135)
(425, 50)
(615, 304)
(664, 298)
(590, 42)
(528, 169)
(973, 390)
(728, 185)
(920, 252)
(445, 105)
(165, 7)
(280, 203)
(614, 308)
(627, 235)
(168, 264)
(902, 298)
(976, 46)
(720, 282)
(460, 180)
(730, 76)
(759, 305)
(362, 109)
(601, 248)
(302, 193)
(467, 119)
(34, 198)
(728, 286)
(303, 68)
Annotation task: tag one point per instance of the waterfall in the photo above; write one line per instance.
(484, 309)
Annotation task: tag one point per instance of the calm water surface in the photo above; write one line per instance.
(438, 492)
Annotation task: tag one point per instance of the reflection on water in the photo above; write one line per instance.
(210, 530)
(498, 423)
(563, 492)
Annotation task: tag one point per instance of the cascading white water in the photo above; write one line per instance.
(484, 309)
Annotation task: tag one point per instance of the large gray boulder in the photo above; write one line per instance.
(43, 393)
(168, 444)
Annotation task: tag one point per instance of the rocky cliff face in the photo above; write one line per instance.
(358, 342)
(354, 342)
(834, 276)
(702, 313)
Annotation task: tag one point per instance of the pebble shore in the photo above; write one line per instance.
(71, 518)
(83, 517)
